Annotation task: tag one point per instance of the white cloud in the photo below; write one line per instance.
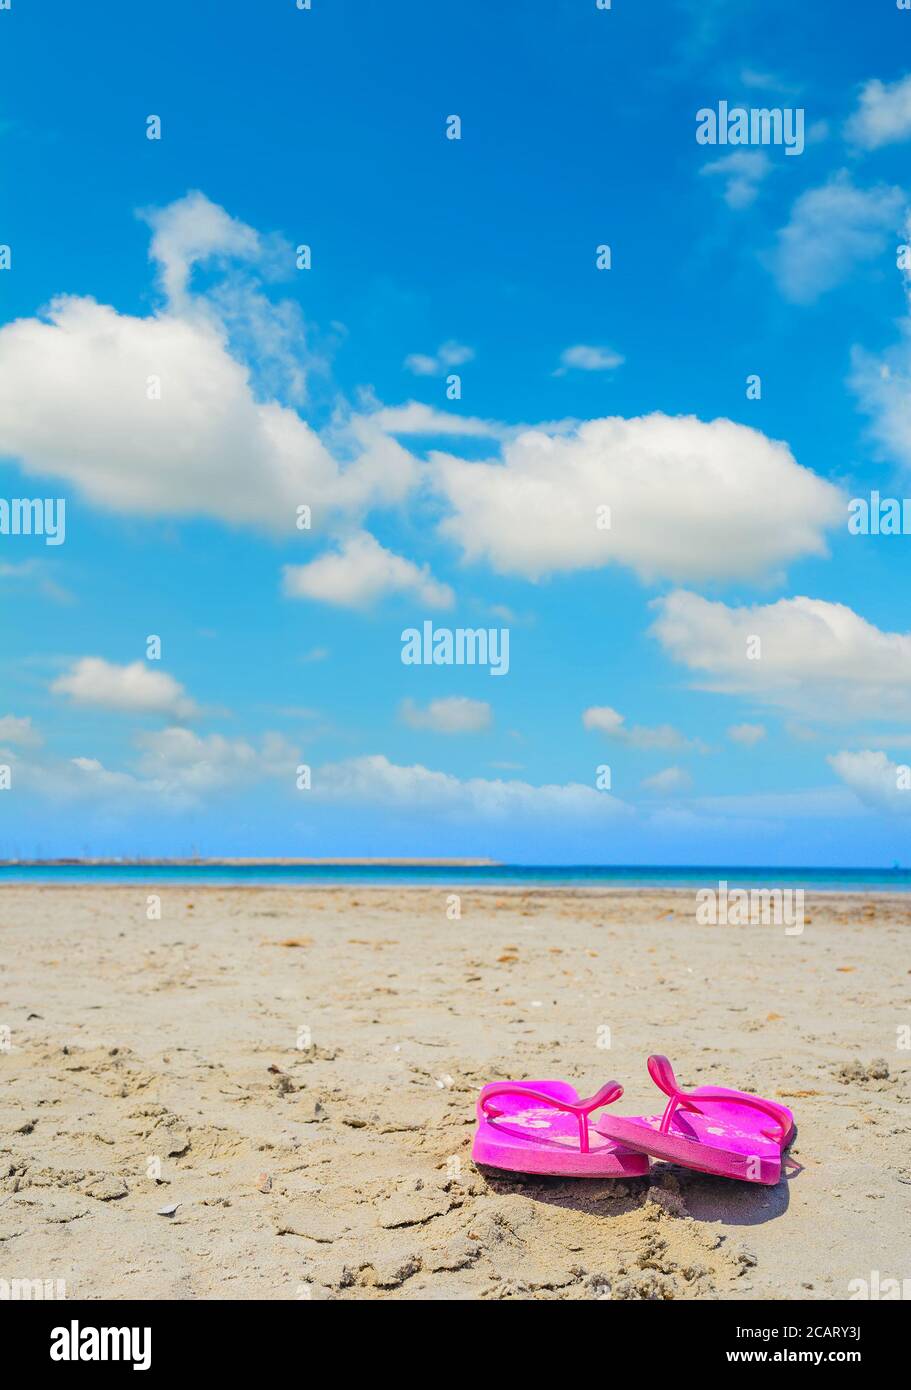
(74, 402)
(374, 779)
(269, 337)
(668, 781)
(62, 781)
(359, 573)
(18, 732)
(747, 734)
(689, 501)
(176, 771)
(605, 720)
(883, 115)
(133, 689)
(589, 359)
(421, 365)
(74, 406)
(447, 355)
(883, 385)
(183, 764)
(743, 172)
(92, 780)
(417, 418)
(817, 658)
(831, 229)
(608, 721)
(206, 448)
(883, 388)
(877, 782)
(193, 230)
(453, 715)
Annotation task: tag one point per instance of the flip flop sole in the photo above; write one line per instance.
(763, 1165)
(497, 1149)
(531, 1134)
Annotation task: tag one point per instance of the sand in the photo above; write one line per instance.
(295, 1071)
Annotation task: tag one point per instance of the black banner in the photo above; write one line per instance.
(176, 1339)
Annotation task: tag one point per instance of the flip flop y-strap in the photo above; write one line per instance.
(611, 1091)
(662, 1073)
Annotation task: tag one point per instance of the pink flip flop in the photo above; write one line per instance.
(543, 1127)
(724, 1132)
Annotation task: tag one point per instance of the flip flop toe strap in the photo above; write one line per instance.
(662, 1073)
(608, 1093)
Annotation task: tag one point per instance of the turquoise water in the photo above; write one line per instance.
(499, 875)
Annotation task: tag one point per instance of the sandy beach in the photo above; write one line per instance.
(295, 1070)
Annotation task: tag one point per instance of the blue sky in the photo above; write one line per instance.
(326, 387)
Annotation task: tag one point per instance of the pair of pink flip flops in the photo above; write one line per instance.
(544, 1127)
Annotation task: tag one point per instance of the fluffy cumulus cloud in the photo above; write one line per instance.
(740, 174)
(175, 770)
(883, 114)
(185, 412)
(360, 572)
(134, 689)
(455, 714)
(88, 779)
(186, 765)
(814, 658)
(178, 770)
(688, 501)
(831, 229)
(77, 780)
(157, 415)
(878, 783)
(375, 780)
(608, 721)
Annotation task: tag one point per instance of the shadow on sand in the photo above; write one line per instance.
(705, 1197)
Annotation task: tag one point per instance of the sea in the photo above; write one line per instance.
(532, 876)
